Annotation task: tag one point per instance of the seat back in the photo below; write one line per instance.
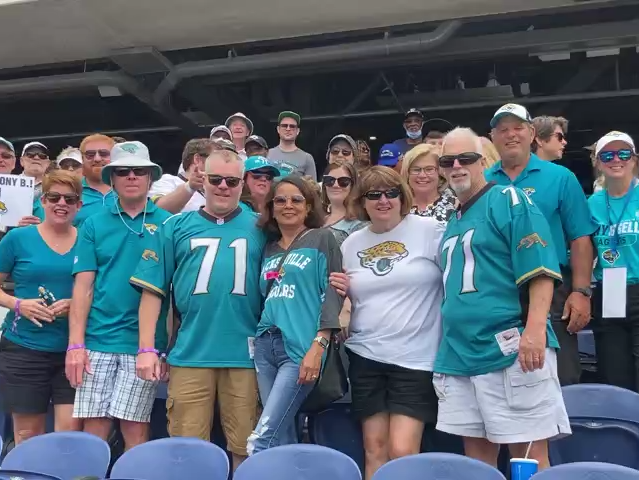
(589, 471)
(170, 458)
(298, 462)
(597, 401)
(24, 475)
(437, 466)
(62, 454)
(335, 428)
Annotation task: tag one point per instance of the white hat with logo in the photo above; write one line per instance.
(612, 137)
(512, 109)
(131, 155)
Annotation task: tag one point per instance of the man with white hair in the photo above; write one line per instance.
(559, 196)
(496, 373)
(103, 321)
(241, 127)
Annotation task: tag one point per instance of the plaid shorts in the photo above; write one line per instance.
(114, 390)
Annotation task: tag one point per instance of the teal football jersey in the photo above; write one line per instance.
(301, 301)
(616, 218)
(495, 244)
(213, 267)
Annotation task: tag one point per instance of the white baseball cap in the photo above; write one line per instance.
(39, 145)
(513, 109)
(73, 154)
(220, 128)
(130, 154)
(614, 136)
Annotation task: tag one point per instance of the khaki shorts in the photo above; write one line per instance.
(191, 400)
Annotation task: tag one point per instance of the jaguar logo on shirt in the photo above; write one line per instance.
(529, 191)
(530, 240)
(151, 228)
(3, 208)
(150, 255)
(381, 258)
(610, 257)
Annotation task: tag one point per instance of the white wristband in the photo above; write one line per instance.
(189, 189)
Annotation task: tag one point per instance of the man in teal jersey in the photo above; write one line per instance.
(496, 369)
(559, 196)
(212, 258)
(103, 323)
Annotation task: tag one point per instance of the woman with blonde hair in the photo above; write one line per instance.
(490, 152)
(431, 196)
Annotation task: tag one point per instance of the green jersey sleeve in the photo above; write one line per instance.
(528, 234)
(156, 266)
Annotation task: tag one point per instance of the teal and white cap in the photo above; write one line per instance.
(512, 109)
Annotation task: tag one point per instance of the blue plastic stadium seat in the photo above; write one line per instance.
(605, 425)
(437, 466)
(588, 471)
(62, 454)
(298, 462)
(171, 458)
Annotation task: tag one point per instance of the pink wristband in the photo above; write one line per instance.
(149, 350)
(77, 346)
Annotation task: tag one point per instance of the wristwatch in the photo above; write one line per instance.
(587, 292)
(323, 342)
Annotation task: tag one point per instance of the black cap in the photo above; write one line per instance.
(414, 111)
(256, 139)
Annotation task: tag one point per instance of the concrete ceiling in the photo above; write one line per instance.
(35, 32)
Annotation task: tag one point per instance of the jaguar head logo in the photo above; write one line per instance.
(3, 208)
(610, 256)
(381, 258)
(151, 228)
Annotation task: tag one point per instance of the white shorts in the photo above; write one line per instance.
(114, 390)
(505, 407)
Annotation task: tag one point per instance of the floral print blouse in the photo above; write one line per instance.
(441, 209)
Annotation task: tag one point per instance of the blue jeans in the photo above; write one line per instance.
(281, 395)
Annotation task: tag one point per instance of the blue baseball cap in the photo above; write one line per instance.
(257, 162)
(389, 155)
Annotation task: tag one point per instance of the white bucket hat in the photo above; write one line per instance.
(70, 153)
(244, 118)
(132, 155)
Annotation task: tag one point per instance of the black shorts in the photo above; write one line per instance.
(30, 379)
(381, 387)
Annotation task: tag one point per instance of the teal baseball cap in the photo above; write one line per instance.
(258, 162)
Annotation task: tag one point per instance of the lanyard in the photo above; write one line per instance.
(614, 238)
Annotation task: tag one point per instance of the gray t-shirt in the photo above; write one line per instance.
(303, 161)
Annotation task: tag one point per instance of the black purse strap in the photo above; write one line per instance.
(281, 262)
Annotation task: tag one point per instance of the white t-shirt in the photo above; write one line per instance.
(396, 290)
(167, 184)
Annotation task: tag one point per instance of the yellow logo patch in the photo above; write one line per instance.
(151, 228)
(3, 207)
(530, 240)
(150, 255)
(381, 258)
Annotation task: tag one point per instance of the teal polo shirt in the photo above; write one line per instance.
(559, 196)
(111, 244)
(93, 201)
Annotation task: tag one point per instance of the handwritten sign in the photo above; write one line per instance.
(16, 199)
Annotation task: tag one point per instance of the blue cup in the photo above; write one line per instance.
(523, 468)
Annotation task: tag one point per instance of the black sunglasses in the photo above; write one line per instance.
(125, 171)
(560, 136)
(69, 164)
(343, 151)
(69, 198)
(464, 159)
(377, 194)
(40, 155)
(343, 182)
(262, 176)
(91, 154)
(217, 180)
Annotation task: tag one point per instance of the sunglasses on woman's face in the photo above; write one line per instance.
(608, 156)
(69, 198)
(560, 136)
(377, 194)
(262, 176)
(125, 171)
(217, 180)
(464, 159)
(343, 182)
(345, 153)
(282, 200)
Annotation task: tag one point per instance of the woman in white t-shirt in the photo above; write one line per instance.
(396, 292)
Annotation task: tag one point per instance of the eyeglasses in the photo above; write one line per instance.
(7, 155)
(70, 164)
(464, 159)
(40, 155)
(217, 180)
(91, 154)
(262, 176)
(560, 136)
(288, 126)
(608, 156)
(125, 171)
(69, 198)
(343, 182)
(430, 170)
(282, 200)
(377, 194)
(343, 151)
